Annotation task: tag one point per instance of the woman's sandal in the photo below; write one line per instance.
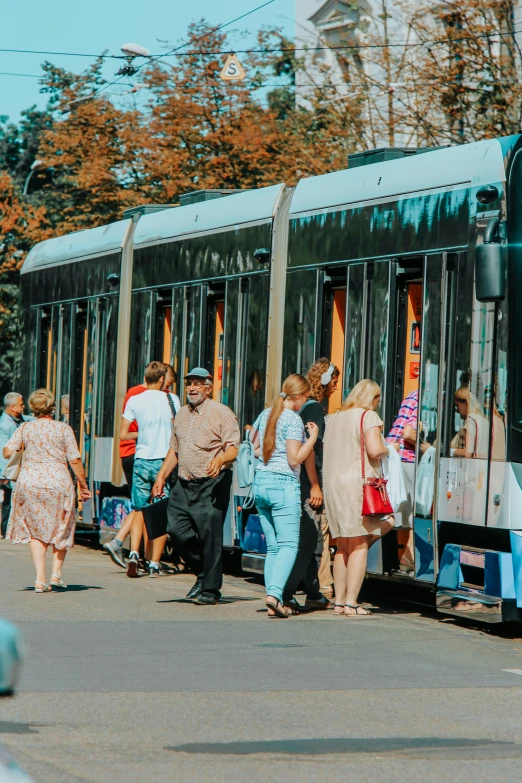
(57, 581)
(357, 613)
(277, 609)
(339, 614)
(294, 607)
(406, 566)
(43, 589)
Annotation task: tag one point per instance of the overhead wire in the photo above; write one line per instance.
(266, 50)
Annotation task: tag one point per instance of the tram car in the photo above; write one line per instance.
(404, 268)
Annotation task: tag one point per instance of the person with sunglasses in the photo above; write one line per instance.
(204, 444)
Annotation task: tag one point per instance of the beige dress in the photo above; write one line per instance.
(43, 498)
(342, 474)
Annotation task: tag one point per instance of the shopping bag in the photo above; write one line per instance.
(155, 516)
(394, 474)
(425, 483)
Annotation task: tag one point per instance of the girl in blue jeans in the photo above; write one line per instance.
(281, 444)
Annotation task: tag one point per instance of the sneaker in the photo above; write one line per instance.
(153, 571)
(132, 566)
(115, 552)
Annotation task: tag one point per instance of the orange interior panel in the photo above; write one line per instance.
(217, 373)
(337, 349)
(167, 335)
(413, 338)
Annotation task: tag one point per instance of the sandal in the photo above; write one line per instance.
(277, 608)
(58, 582)
(43, 589)
(294, 607)
(357, 613)
(339, 614)
(406, 566)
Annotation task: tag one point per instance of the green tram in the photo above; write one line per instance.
(403, 268)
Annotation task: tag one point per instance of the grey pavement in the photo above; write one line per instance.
(124, 680)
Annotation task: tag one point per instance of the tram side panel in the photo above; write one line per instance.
(203, 300)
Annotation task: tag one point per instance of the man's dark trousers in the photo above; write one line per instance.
(306, 566)
(196, 513)
(6, 507)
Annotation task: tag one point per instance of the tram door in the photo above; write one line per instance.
(334, 328)
(424, 311)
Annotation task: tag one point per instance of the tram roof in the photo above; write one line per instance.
(476, 164)
(228, 212)
(77, 246)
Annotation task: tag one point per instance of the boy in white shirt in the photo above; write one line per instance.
(154, 413)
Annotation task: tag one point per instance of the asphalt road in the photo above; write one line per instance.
(124, 680)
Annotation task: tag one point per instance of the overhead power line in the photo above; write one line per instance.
(265, 50)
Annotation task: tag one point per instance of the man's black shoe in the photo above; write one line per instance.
(206, 599)
(196, 589)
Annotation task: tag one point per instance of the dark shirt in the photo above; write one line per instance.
(313, 411)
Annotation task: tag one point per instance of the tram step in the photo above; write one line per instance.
(476, 605)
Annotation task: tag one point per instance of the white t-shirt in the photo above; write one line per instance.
(153, 414)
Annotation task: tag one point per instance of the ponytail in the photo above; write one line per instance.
(292, 386)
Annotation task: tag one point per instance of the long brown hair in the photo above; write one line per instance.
(292, 386)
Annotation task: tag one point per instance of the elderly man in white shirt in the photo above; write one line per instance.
(10, 420)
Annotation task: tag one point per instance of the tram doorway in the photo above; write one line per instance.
(334, 330)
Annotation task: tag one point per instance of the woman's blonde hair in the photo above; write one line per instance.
(474, 405)
(41, 402)
(362, 395)
(292, 386)
(315, 373)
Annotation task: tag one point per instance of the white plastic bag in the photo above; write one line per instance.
(394, 475)
(425, 483)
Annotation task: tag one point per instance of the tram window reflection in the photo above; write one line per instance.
(472, 437)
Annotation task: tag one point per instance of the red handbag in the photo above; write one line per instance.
(376, 502)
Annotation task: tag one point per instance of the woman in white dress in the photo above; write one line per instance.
(342, 477)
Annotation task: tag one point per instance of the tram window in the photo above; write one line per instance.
(162, 350)
(473, 389)
(215, 344)
(300, 321)
(253, 363)
(192, 327)
(377, 324)
(88, 385)
(178, 299)
(107, 329)
(230, 342)
(352, 368)
(498, 446)
(65, 366)
(31, 349)
(140, 336)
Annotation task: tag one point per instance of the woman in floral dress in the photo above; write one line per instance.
(43, 503)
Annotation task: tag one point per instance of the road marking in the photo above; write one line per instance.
(513, 671)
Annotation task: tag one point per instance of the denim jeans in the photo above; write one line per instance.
(278, 502)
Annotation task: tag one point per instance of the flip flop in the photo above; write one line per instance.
(358, 615)
(277, 607)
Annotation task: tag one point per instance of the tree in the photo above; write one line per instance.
(21, 226)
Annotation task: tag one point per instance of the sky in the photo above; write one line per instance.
(97, 25)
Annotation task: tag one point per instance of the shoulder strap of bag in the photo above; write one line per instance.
(362, 447)
(171, 403)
